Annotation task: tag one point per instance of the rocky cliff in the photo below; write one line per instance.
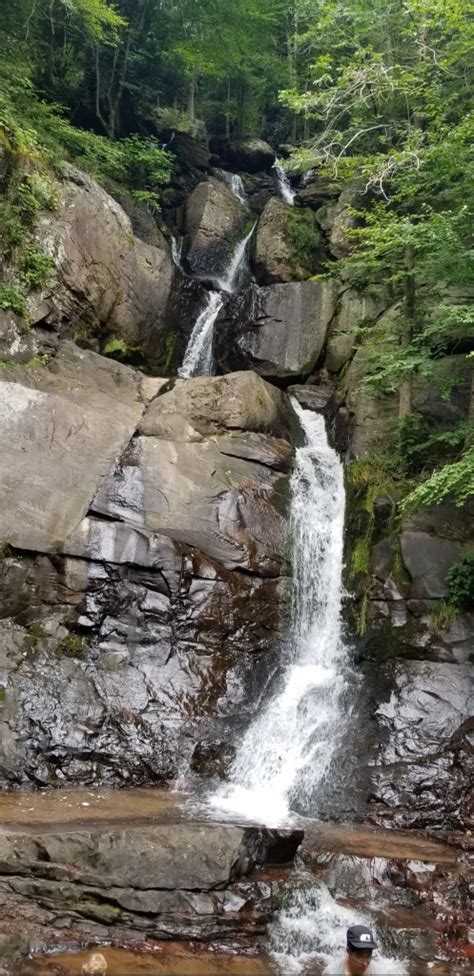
(145, 575)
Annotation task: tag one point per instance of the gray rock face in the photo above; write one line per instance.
(354, 310)
(423, 775)
(428, 560)
(278, 331)
(167, 574)
(336, 219)
(213, 221)
(16, 343)
(274, 254)
(60, 430)
(108, 281)
(187, 880)
(374, 419)
(250, 155)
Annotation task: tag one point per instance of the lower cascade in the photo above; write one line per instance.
(312, 923)
(287, 751)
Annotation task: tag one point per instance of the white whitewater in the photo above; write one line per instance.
(230, 280)
(177, 249)
(312, 927)
(286, 190)
(235, 183)
(198, 359)
(286, 752)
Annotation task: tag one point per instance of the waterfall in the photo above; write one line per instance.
(312, 925)
(176, 249)
(287, 750)
(235, 183)
(198, 357)
(229, 281)
(287, 193)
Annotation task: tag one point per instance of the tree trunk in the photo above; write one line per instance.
(292, 54)
(191, 110)
(227, 112)
(469, 436)
(406, 389)
(241, 110)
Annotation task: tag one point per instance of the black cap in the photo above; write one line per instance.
(360, 937)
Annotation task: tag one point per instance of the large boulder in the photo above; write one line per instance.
(167, 877)
(428, 560)
(108, 282)
(143, 569)
(278, 331)
(316, 192)
(421, 775)
(213, 220)
(249, 155)
(60, 431)
(216, 491)
(17, 343)
(275, 251)
(337, 219)
(354, 310)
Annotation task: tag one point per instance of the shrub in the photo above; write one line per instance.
(461, 582)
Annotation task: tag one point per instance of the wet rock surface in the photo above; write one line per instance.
(274, 253)
(108, 280)
(213, 220)
(279, 331)
(158, 872)
(145, 569)
(166, 876)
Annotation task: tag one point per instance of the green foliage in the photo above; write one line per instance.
(360, 561)
(305, 240)
(118, 348)
(443, 616)
(461, 583)
(72, 646)
(35, 266)
(453, 482)
(12, 298)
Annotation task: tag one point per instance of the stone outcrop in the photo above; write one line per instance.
(275, 255)
(213, 220)
(423, 768)
(249, 155)
(173, 879)
(279, 331)
(108, 282)
(337, 220)
(354, 311)
(17, 343)
(144, 567)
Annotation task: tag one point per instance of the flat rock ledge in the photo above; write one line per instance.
(125, 882)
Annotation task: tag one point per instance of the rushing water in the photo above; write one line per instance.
(286, 752)
(177, 249)
(235, 183)
(313, 926)
(198, 358)
(230, 280)
(286, 190)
